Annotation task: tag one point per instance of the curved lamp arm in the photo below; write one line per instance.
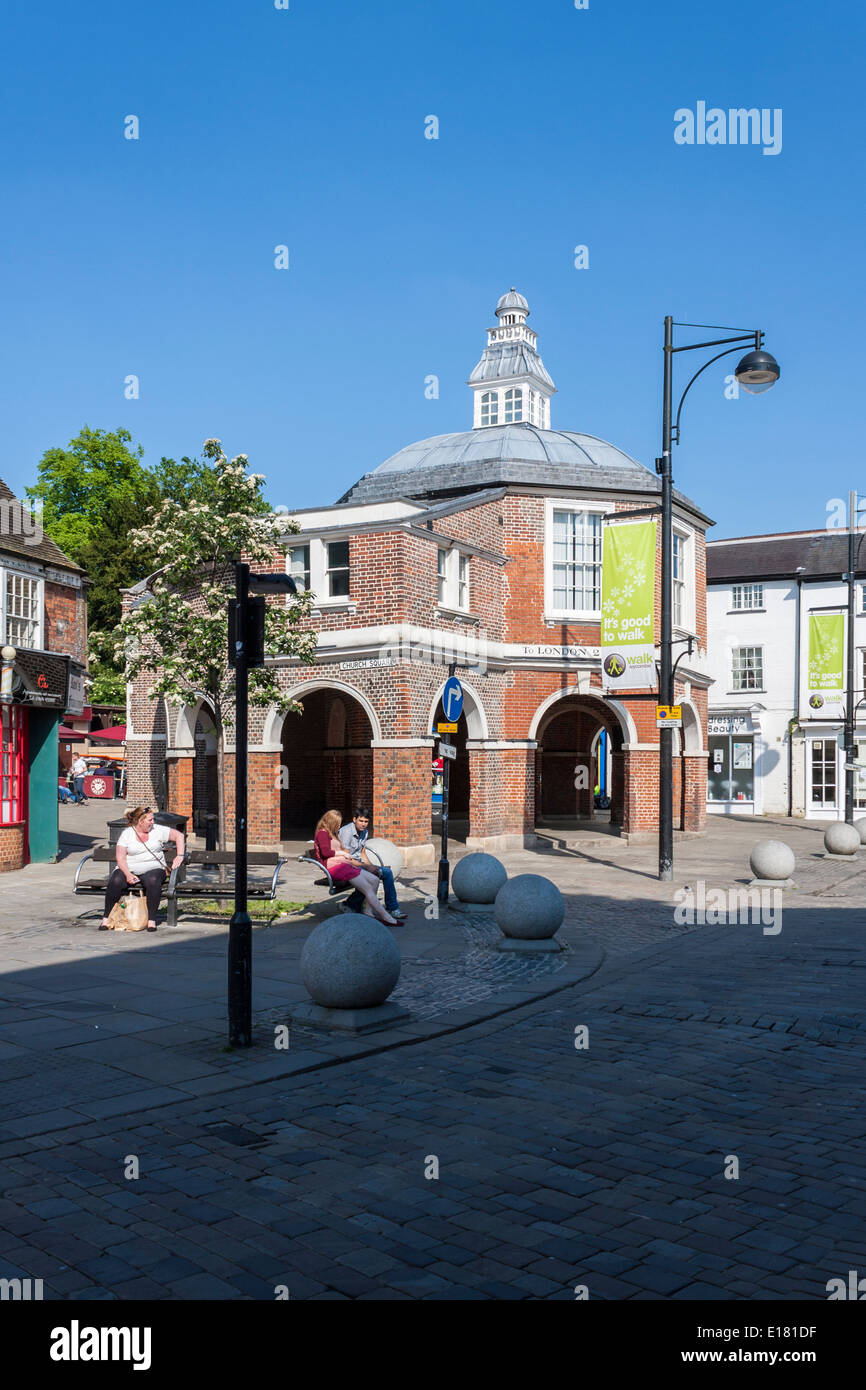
(726, 353)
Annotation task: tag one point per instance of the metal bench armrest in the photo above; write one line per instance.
(178, 870)
(274, 880)
(317, 864)
(78, 871)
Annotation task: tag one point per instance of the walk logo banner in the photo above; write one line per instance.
(627, 606)
(826, 682)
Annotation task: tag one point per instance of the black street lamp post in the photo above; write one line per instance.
(246, 651)
(757, 372)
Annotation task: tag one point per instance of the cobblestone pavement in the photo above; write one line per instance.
(610, 1165)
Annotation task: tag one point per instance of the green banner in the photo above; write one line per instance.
(826, 681)
(627, 606)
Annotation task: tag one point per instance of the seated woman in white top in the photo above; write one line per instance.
(141, 860)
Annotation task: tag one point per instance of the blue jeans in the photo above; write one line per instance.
(64, 794)
(356, 900)
(78, 788)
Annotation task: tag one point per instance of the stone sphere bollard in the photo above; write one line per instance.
(350, 962)
(772, 860)
(530, 910)
(477, 878)
(841, 838)
(386, 852)
(860, 827)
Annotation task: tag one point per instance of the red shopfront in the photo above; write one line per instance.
(13, 786)
(35, 689)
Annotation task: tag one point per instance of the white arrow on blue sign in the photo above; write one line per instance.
(452, 699)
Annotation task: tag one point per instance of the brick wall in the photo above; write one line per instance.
(65, 605)
(11, 847)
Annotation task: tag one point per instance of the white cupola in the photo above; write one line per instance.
(511, 384)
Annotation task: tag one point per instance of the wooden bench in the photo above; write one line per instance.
(205, 884)
(334, 886)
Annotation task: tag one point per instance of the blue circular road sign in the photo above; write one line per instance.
(452, 699)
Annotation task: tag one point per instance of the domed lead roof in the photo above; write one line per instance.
(512, 300)
(501, 454)
(523, 442)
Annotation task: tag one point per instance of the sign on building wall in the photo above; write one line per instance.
(627, 606)
(826, 677)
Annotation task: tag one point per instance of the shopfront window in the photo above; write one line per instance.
(860, 777)
(824, 772)
(12, 767)
(731, 771)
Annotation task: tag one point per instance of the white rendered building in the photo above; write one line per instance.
(770, 753)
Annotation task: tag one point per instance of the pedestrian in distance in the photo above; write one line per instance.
(340, 865)
(79, 772)
(140, 856)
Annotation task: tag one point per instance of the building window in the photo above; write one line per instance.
(863, 598)
(337, 569)
(23, 611)
(513, 405)
(679, 610)
(12, 761)
(748, 596)
(299, 565)
(442, 573)
(541, 411)
(576, 562)
(463, 581)
(453, 579)
(490, 408)
(748, 668)
(824, 772)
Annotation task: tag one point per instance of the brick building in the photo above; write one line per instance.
(482, 548)
(43, 651)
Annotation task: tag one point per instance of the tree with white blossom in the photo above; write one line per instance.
(177, 634)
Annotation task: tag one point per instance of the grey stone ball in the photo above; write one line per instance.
(772, 859)
(841, 838)
(477, 878)
(860, 827)
(350, 962)
(529, 907)
(386, 852)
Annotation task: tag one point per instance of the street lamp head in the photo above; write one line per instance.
(758, 371)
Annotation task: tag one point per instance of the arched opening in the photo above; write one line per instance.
(205, 785)
(327, 758)
(472, 724)
(580, 742)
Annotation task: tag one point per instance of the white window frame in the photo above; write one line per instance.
(746, 689)
(554, 504)
(455, 559)
(743, 591)
(686, 621)
(7, 570)
(441, 575)
(515, 405)
(319, 572)
(489, 408)
(306, 572)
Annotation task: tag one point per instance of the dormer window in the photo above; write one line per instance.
(513, 405)
(490, 408)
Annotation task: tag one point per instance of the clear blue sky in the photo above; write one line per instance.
(306, 127)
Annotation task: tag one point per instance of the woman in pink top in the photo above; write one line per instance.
(341, 866)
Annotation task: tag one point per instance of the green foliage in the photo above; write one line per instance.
(178, 634)
(82, 485)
